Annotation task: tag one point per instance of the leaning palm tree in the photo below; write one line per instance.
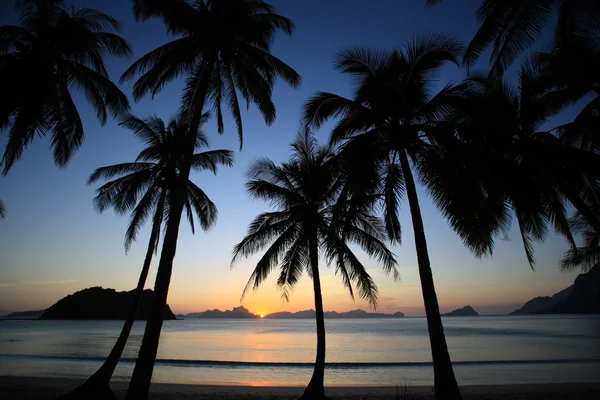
(513, 26)
(390, 121)
(144, 188)
(223, 50)
(308, 220)
(54, 51)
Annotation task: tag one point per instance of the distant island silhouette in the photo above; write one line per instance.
(100, 303)
(583, 297)
(236, 312)
(24, 315)
(242, 312)
(466, 311)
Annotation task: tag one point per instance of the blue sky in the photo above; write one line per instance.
(53, 242)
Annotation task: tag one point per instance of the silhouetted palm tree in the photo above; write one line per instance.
(513, 26)
(56, 49)
(2, 209)
(389, 122)
(307, 219)
(528, 169)
(144, 188)
(587, 256)
(223, 48)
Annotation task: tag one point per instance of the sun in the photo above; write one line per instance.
(262, 315)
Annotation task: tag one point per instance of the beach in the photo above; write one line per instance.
(30, 388)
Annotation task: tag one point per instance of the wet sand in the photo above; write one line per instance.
(30, 388)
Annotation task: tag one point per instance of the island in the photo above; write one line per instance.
(24, 315)
(100, 303)
(236, 312)
(466, 311)
(583, 297)
(543, 303)
(242, 312)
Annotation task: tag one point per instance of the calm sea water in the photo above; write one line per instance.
(360, 352)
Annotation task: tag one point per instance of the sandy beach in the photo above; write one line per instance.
(29, 388)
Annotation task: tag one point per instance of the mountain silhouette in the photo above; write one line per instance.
(100, 303)
(237, 312)
(583, 297)
(24, 314)
(466, 311)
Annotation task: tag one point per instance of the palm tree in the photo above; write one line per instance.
(56, 49)
(513, 26)
(392, 120)
(223, 49)
(307, 219)
(144, 188)
(2, 209)
(528, 169)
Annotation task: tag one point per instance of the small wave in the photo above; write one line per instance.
(333, 365)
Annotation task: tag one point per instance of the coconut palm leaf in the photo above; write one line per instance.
(56, 50)
(511, 27)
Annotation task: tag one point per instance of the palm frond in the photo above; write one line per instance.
(210, 159)
(200, 203)
(393, 192)
(119, 169)
(261, 231)
(271, 258)
(140, 214)
(584, 258)
(292, 265)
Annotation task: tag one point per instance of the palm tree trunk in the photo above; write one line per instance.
(315, 388)
(139, 385)
(108, 368)
(445, 386)
(97, 386)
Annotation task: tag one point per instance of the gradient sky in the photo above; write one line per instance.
(53, 242)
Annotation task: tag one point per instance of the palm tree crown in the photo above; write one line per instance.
(223, 48)
(154, 173)
(305, 191)
(511, 27)
(56, 49)
(395, 113)
(528, 170)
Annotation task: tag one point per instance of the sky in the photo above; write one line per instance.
(53, 242)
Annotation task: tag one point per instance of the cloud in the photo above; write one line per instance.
(49, 282)
(7, 284)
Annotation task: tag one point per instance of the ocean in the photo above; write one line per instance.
(278, 352)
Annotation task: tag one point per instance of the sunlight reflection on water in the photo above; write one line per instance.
(574, 338)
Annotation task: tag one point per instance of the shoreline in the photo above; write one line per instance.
(30, 388)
